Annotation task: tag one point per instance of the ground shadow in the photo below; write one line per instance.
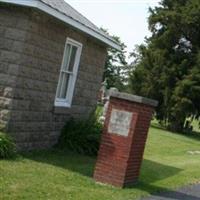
(193, 135)
(151, 171)
(68, 160)
(157, 126)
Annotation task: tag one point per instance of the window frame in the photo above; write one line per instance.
(67, 101)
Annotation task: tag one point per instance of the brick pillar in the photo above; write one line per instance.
(123, 139)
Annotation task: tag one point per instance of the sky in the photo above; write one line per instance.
(124, 18)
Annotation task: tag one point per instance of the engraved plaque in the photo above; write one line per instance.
(120, 122)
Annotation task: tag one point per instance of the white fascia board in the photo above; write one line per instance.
(47, 9)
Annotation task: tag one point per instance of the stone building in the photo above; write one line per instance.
(51, 65)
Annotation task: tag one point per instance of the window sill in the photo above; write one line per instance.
(62, 104)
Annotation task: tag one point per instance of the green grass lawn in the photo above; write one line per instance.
(60, 175)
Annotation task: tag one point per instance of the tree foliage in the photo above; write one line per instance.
(167, 66)
(116, 66)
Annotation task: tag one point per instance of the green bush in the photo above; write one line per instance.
(7, 146)
(82, 136)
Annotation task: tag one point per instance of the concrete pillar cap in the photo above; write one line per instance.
(133, 98)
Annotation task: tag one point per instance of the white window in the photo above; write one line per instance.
(68, 73)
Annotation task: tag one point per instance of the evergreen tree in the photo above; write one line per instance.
(167, 66)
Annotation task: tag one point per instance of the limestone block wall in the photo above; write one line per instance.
(10, 46)
(31, 54)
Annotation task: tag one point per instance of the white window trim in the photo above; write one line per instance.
(67, 102)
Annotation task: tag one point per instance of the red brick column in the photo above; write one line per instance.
(123, 140)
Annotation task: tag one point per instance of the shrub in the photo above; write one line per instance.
(7, 146)
(82, 136)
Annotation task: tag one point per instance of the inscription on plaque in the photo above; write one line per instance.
(120, 122)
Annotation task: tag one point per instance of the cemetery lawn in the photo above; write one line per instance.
(170, 161)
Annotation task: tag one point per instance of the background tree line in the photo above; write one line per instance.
(167, 66)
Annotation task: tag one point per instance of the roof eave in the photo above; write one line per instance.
(47, 9)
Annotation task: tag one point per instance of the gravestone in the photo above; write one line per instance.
(123, 139)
